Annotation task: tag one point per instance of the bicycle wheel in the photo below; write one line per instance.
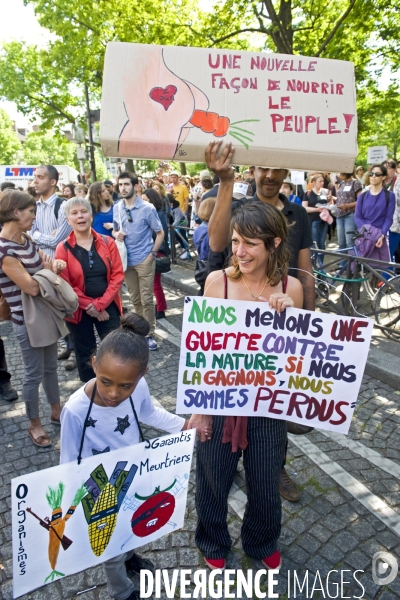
(373, 283)
(387, 308)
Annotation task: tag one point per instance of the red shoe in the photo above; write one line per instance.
(216, 563)
(273, 562)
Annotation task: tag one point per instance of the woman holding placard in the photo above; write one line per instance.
(260, 261)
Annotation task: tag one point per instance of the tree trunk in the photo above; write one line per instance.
(281, 29)
(183, 168)
(130, 166)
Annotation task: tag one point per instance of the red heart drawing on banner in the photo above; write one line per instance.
(164, 96)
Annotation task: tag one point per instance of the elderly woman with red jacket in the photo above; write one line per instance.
(95, 272)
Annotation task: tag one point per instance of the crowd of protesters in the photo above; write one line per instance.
(101, 237)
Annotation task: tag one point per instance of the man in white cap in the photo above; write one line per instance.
(287, 189)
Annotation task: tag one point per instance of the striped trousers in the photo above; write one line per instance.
(215, 469)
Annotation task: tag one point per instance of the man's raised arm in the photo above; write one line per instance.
(218, 227)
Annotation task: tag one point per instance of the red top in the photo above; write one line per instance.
(73, 273)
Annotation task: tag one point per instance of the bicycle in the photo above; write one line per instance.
(355, 274)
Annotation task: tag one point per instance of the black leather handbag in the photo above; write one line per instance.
(163, 264)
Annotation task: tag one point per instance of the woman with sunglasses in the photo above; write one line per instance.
(94, 270)
(376, 207)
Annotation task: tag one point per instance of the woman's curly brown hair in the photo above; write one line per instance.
(262, 221)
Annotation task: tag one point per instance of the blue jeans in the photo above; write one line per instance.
(319, 229)
(345, 224)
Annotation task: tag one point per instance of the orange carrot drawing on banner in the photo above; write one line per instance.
(56, 526)
(210, 122)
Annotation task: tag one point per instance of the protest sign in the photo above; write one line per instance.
(245, 359)
(376, 154)
(166, 102)
(72, 517)
(297, 177)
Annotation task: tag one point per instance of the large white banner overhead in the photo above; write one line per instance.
(165, 102)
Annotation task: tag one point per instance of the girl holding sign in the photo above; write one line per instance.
(104, 415)
(260, 261)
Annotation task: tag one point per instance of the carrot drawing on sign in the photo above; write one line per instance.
(210, 122)
(56, 526)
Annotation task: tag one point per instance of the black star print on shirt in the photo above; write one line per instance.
(122, 424)
(94, 451)
(91, 422)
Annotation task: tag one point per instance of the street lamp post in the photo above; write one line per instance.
(91, 147)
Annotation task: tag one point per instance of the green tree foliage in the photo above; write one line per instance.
(48, 83)
(37, 84)
(379, 119)
(42, 147)
(9, 142)
(101, 169)
(195, 168)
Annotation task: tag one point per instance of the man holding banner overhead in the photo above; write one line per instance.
(268, 183)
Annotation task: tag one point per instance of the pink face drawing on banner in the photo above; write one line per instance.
(162, 110)
(159, 110)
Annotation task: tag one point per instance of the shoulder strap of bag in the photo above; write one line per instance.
(387, 197)
(119, 214)
(57, 205)
(72, 249)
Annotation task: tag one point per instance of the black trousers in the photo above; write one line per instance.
(4, 374)
(83, 334)
(215, 469)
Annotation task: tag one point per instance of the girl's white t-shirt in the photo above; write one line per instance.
(110, 428)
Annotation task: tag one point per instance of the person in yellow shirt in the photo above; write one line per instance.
(180, 192)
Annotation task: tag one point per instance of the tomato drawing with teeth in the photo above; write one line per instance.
(153, 514)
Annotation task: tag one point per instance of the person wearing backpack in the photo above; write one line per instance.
(346, 201)
(50, 228)
(375, 209)
(94, 270)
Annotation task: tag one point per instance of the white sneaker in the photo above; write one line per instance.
(186, 256)
(151, 342)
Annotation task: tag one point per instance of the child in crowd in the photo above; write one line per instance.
(104, 415)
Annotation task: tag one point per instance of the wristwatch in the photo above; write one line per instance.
(154, 253)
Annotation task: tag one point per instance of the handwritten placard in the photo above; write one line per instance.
(376, 154)
(245, 359)
(270, 106)
(71, 517)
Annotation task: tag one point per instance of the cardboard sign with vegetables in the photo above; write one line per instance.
(130, 497)
(166, 102)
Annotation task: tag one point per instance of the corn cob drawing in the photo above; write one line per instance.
(56, 526)
(102, 503)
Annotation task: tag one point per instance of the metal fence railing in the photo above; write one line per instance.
(186, 253)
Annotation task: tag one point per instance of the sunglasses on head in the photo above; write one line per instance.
(376, 174)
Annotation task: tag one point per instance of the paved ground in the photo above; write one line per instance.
(349, 509)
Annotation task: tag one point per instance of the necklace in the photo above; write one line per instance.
(251, 294)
